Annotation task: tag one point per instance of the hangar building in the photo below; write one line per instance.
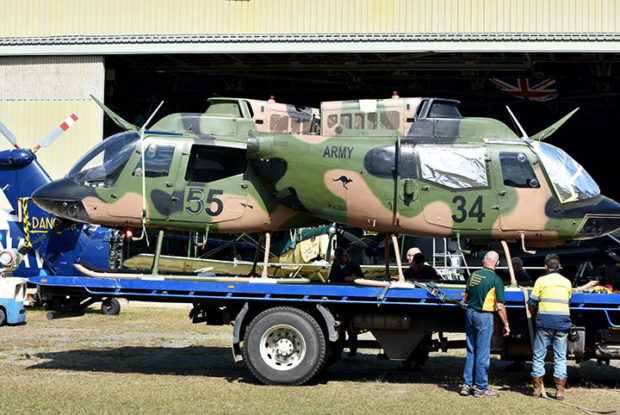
(540, 57)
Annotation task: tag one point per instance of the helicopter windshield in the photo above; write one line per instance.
(102, 165)
(570, 180)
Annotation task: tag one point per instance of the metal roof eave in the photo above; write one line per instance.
(316, 43)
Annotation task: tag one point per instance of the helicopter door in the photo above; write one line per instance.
(214, 186)
(409, 189)
(520, 196)
(160, 173)
(455, 188)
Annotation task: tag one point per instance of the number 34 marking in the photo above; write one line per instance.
(474, 212)
(197, 195)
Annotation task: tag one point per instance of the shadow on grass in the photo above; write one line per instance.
(443, 370)
(447, 372)
(179, 361)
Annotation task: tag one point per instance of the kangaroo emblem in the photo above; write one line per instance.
(345, 180)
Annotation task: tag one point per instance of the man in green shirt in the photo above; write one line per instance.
(483, 295)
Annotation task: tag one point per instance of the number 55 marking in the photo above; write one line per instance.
(197, 195)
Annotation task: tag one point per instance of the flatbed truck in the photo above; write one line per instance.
(287, 333)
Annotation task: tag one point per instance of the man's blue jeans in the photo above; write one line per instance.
(559, 339)
(479, 330)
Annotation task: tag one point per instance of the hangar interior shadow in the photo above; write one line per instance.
(216, 362)
(136, 84)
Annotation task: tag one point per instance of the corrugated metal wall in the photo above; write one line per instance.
(122, 17)
(37, 94)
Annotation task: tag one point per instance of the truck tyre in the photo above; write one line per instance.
(284, 346)
(2, 317)
(110, 307)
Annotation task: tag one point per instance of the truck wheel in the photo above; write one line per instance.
(2, 317)
(284, 346)
(110, 307)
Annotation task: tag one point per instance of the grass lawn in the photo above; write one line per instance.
(153, 360)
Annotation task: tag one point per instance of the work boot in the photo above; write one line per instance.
(466, 390)
(489, 393)
(537, 382)
(559, 388)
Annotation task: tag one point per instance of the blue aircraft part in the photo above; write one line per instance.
(21, 178)
(20, 175)
(16, 158)
(14, 310)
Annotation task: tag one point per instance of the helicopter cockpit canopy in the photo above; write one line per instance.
(571, 182)
(103, 164)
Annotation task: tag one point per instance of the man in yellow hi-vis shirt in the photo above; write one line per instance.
(549, 302)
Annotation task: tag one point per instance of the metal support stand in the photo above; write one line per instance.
(387, 256)
(401, 277)
(266, 256)
(259, 246)
(511, 271)
(160, 240)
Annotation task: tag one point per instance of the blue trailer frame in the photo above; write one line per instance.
(341, 307)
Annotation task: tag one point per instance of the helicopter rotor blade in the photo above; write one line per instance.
(9, 135)
(64, 126)
(118, 120)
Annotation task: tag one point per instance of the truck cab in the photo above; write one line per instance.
(12, 295)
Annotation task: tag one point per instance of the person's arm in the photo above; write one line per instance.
(501, 311)
(533, 311)
(356, 273)
(587, 286)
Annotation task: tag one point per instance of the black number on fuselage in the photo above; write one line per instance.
(195, 195)
(474, 212)
(218, 202)
(460, 201)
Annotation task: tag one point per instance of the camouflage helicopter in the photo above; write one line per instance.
(401, 165)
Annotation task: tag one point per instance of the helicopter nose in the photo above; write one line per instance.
(62, 198)
(600, 219)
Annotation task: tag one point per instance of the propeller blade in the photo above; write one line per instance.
(9, 135)
(118, 120)
(64, 126)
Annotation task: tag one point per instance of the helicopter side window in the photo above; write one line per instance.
(371, 120)
(278, 123)
(157, 161)
(517, 170)
(444, 110)
(389, 120)
(454, 167)
(358, 121)
(208, 164)
(345, 120)
(224, 109)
